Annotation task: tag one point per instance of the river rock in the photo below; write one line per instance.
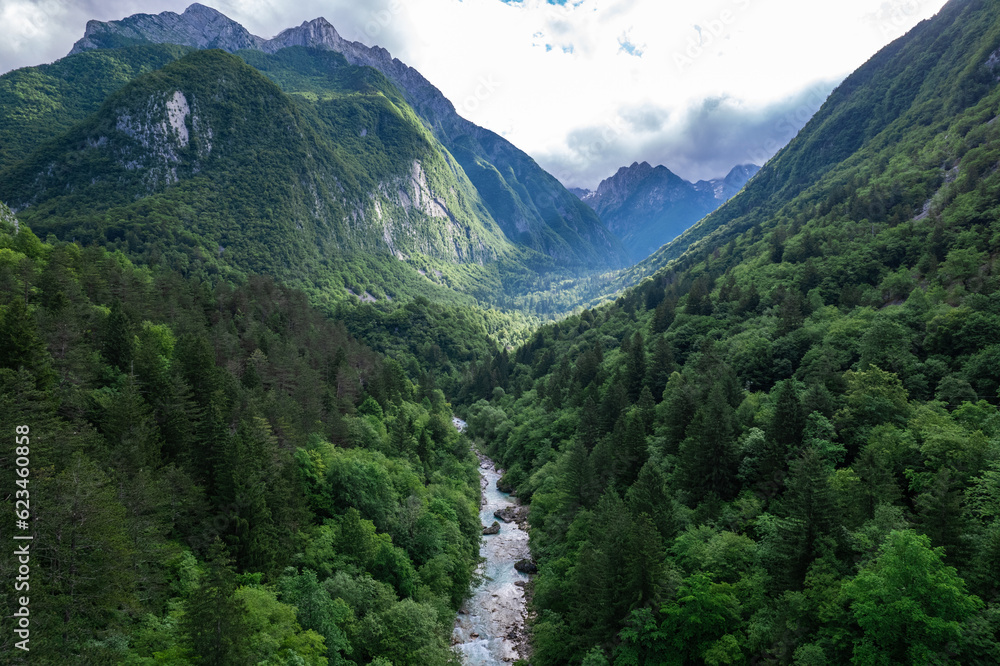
(526, 566)
(503, 485)
(508, 514)
(492, 529)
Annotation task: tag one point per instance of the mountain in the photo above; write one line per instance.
(38, 103)
(531, 206)
(741, 459)
(209, 154)
(647, 207)
(907, 89)
(904, 94)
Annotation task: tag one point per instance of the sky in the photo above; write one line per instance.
(583, 86)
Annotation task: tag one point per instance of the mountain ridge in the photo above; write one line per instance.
(530, 205)
(142, 167)
(648, 206)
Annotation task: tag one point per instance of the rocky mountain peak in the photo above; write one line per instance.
(198, 26)
(579, 232)
(318, 33)
(205, 28)
(647, 206)
(617, 188)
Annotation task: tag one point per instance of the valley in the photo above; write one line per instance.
(283, 324)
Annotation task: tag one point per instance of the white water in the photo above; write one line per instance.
(491, 623)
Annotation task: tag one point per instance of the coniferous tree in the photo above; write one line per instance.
(677, 410)
(663, 316)
(635, 367)
(578, 478)
(941, 517)
(648, 495)
(809, 512)
(661, 368)
(589, 428)
(118, 338)
(214, 624)
(789, 420)
(20, 345)
(87, 554)
(707, 454)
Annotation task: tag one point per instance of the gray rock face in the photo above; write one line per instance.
(531, 207)
(648, 206)
(199, 26)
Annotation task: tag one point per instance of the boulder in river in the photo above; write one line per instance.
(504, 486)
(492, 529)
(507, 514)
(526, 566)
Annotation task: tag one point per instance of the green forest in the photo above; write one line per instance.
(775, 441)
(784, 447)
(222, 474)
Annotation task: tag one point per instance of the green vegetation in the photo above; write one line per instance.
(331, 182)
(44, 101)
(220, 474)
(783, 446)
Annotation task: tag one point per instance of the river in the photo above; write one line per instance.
(490, 625)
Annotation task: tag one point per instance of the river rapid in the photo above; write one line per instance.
(490, 625)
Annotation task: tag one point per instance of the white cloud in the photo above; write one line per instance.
(584, 87)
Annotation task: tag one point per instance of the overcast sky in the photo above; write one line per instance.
(583, 86)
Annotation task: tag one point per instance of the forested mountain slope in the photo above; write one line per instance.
(905, 95)
(784, 446)
(530, 205)
(37, 103)
(220, 475)
(209, 150)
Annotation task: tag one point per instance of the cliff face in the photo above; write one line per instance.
(648, 206)
(209, 149)
(530, 206)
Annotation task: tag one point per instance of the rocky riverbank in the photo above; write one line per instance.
(490, 628)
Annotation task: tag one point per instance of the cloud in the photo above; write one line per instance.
(626, 45)
(41, 31)
(583, 86)
(644, 117)
(704, 140)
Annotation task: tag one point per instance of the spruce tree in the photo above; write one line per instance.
(214, 623)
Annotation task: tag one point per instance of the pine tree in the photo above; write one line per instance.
(708, 454)
(20, 346)
(648, 495)
(631, 453)
(86, 552)
(635, 367)
(941, 517)
(809, 507)
(118, 338)
(578, 477)
(662, 367)
(215, 621)
(663, 316)
(676, 411)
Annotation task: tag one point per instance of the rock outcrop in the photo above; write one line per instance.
(529, 204)
(647, 206)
